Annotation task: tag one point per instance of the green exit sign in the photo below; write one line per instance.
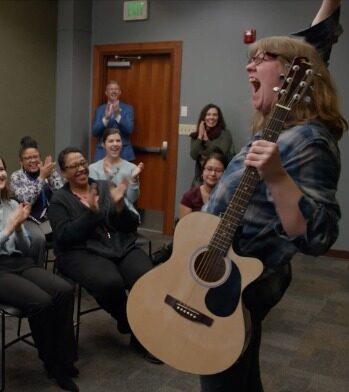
(135, 9)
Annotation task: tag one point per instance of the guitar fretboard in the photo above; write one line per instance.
(222, 238)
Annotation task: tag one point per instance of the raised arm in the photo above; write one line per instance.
(326, 9)
(325, 28)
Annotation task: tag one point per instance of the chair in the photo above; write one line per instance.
(5, 312)
(80, 312)
(48, 249)
(142, 240)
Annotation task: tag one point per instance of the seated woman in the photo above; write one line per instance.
(33, 184)
(210, 133)
(44, 298)
(212, 170)
(114, 168)
(194, 198)
(94, 235)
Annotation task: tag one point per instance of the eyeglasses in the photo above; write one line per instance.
(213, 169)
(262, 56)
(31, 158)
(76, 165)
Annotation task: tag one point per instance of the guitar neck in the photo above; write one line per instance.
(224, 234)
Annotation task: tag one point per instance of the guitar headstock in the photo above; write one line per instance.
(296, 82)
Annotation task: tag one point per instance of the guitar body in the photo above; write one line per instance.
(193, 320)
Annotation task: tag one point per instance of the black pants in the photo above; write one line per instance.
(259, 297)
(47, 301)
(106, 280)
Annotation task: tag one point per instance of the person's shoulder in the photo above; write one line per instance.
(310, 129)
(226, 131)
(59, 193)
(128, 165)
(101, 107)
(308, 133)
(192, 191)
(125, 105)
(95, 165)
(17, 173)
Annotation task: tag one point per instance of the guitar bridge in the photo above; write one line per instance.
(187, 311)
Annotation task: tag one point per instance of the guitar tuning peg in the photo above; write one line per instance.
(276, 89)
(307, 99)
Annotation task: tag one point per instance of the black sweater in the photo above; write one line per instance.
(106, 233)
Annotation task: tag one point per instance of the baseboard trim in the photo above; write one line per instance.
(340, 254)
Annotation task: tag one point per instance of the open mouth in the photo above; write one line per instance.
(256, 84)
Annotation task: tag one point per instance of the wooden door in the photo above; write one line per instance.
(151, 84)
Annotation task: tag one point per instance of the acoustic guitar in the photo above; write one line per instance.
(188, 312)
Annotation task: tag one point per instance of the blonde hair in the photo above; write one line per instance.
(323, 105)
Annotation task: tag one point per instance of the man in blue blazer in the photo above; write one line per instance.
(114, 114)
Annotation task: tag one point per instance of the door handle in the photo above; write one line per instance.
(162, 150)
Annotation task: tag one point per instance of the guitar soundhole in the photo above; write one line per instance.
(210, 267)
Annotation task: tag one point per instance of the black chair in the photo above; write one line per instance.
(81, 312)
(48, 250)
(5, 312)
(142, 240)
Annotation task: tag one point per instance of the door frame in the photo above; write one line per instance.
(174, 49)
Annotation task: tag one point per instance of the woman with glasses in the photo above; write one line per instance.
(195, 197)
(113, 168)
(293, 206)
(34, 183)
(46, 299)
(212, 170)
(95, 235)
(210, 134)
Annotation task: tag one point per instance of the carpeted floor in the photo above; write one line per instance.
(305, 343)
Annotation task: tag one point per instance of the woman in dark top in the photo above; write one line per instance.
(195, 197)
(211, 133)
(46, 299)
(94, 235)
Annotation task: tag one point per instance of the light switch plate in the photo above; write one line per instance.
(186, 129)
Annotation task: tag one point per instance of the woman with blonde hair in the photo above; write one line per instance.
(293, 206)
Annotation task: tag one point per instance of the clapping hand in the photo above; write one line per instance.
(117, 109)
(202, 131)
(137, 171)
(46, 167)
(108, 111)
(92, 198)
(117, 193)
(17, 217)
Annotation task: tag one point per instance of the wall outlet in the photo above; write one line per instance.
(186, 129)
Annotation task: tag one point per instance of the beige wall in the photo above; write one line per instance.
(27, 75)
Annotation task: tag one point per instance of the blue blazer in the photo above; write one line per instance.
(125, 126)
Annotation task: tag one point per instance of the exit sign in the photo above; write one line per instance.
(135, 9)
